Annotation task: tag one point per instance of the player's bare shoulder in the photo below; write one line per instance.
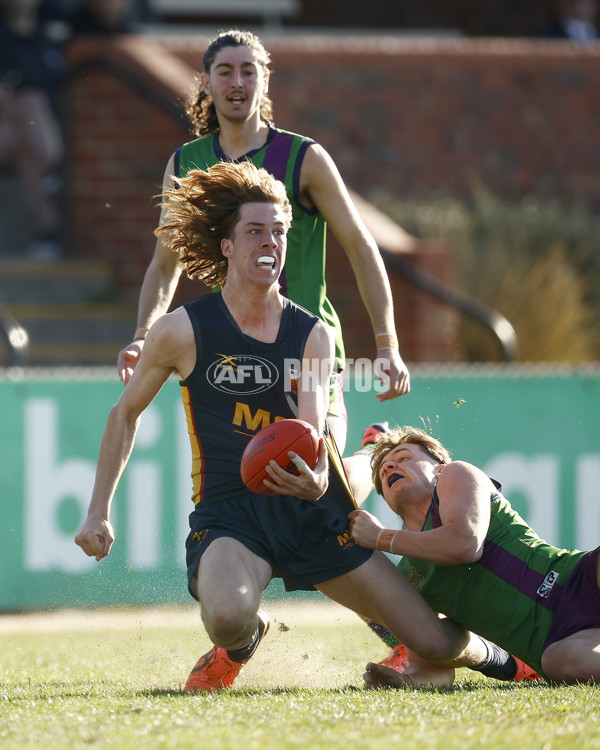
(170, 342)
(318, 175)
(321, 341)
(463, 475)
(316, 162)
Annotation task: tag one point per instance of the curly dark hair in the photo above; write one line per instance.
(200, 108)
(204, 208)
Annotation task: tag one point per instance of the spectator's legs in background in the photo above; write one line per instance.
(30, 136)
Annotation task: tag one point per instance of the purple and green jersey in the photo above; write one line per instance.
(522, 594)
(303, 278)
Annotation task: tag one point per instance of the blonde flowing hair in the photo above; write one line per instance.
(398, 436)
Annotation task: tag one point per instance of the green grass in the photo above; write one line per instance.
(114, 680)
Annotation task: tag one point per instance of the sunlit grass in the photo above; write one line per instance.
(117, 683)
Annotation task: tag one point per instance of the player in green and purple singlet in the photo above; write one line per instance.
(233, 121)
(476, 561)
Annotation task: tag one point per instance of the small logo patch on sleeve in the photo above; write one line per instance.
(546, 587)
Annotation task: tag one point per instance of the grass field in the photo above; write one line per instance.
(112, 679)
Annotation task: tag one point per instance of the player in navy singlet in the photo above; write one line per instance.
(229, 226)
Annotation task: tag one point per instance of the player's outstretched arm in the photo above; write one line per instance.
(323, 187)
(156, 293)
(95, 537)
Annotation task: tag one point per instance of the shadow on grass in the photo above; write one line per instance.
(459, 687)
(101, 690)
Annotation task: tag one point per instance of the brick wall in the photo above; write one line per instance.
(419, 116)
(118, 142)
(415, 117)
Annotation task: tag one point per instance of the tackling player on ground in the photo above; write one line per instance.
(475, 560)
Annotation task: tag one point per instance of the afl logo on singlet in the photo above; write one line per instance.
(242, 374)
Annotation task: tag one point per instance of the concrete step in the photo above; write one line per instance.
(74, 335)
(67, 355)
(59, 282)
(68, 311)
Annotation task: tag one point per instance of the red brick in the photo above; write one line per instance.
(417, 117)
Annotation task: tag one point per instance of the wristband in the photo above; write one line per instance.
(390, 340)
(392, 541)
(378, 537)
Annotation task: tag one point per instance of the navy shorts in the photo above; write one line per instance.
(304, 542)
(579, 606)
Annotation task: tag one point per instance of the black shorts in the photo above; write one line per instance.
(305, 542)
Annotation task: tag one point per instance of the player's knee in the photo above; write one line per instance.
(437, 652)
(444, 647)
(227, 625)
(575, 673)
(568, 663)
(434, 650)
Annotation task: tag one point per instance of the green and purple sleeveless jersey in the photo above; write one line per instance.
(303, 278)
(511, 594)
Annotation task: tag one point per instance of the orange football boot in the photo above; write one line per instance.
(396, 659)
(215, 670)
